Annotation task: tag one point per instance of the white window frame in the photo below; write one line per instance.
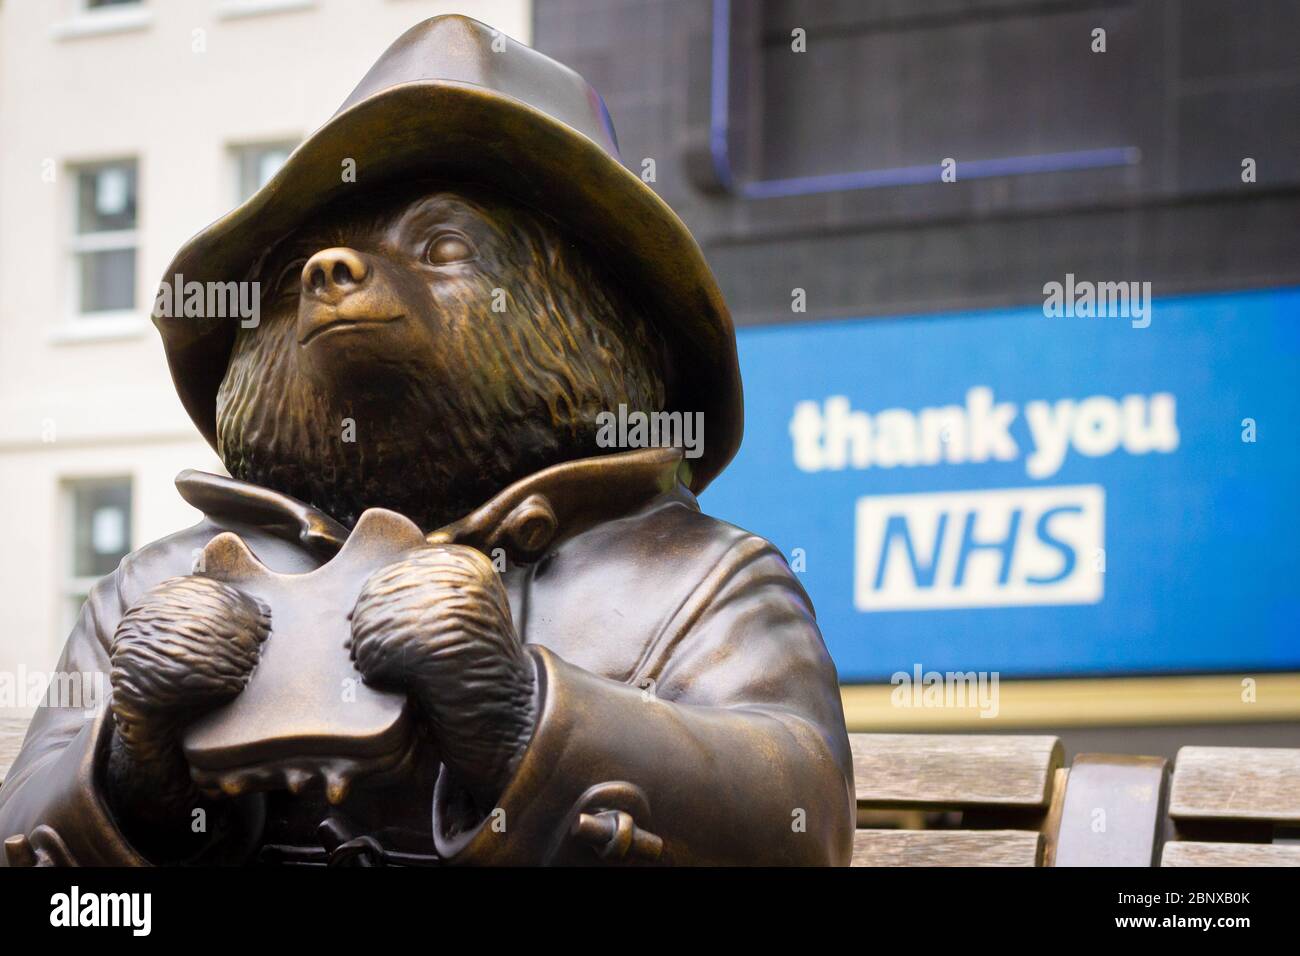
(238, 9)
(78, 326)
(88, 21)
(235, 151)
(72, 585)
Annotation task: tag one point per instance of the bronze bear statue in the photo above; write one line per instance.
(565, 660)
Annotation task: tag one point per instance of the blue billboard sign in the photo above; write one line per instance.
(1036, 491)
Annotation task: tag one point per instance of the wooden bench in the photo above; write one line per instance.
(12, 731)
(1001, 800)
(1001, 787)
(1228, 803)
(995, 800)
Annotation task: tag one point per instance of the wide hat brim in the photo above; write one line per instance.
(460, 131)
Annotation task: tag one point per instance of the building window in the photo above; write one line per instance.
(99, 535)
(256, 164)
(934, 95)
(91, 18)
(235, 9)
(104, 239)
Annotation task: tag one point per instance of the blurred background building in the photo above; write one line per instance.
(886, 192)
(126, 126)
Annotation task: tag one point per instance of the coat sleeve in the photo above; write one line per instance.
(52, 806)
(727, 746)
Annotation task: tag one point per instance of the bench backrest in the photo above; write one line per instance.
(1222, 796)
(1002, 785)
(12, 732)
(1011, 802)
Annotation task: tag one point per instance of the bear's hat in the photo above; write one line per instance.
(455, 99)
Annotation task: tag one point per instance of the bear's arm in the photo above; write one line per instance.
(53, 802)
(731, 730)
(53, 796)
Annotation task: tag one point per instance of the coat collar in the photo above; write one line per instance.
(527, 519)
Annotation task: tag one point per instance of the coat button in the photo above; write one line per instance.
(531, 526)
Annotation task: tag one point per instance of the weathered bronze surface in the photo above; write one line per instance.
(305, 716)
(434, 617)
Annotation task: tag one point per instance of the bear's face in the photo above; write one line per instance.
(422, 349)
(398, 280)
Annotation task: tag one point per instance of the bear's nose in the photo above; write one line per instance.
(333, 273)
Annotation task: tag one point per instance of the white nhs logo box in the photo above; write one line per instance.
(964, 549)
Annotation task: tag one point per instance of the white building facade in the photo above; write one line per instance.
(125, 127)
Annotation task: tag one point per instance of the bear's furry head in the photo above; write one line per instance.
(426, 350)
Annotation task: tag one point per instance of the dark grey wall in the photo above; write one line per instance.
(1192, 85)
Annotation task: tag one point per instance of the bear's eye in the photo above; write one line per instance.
(290, 279)
(449, 247)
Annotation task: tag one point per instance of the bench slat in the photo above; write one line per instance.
(943, 770)
(1230, 854)
(1236, 783)
(947, 848)
(12, 731)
